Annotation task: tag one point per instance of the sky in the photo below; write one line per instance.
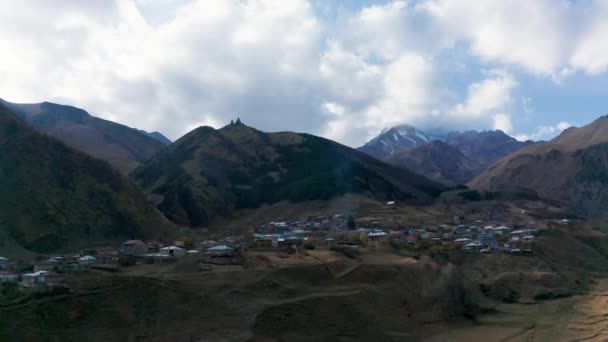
(340, 69)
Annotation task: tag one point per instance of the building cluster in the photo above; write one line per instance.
(328, 232)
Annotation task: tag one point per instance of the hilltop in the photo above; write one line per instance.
(209, 173)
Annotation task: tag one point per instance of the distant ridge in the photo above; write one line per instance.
(451, 158)
(158, 136)
(123, 147)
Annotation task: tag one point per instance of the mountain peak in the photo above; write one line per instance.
(394, 139)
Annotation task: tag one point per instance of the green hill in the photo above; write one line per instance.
(55, 198)
(208, 173)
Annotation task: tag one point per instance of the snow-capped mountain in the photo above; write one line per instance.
(395, 139)
(452, 158)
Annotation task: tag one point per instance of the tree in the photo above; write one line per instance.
(232, 122)
(350, 222)
(238, 121)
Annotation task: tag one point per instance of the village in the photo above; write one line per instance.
(337, 233)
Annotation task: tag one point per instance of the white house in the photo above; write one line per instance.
(193, 252)
(175, 251)
(87, 260)
(222, 250)
(33, 279)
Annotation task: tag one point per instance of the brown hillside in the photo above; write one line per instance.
(572, 169)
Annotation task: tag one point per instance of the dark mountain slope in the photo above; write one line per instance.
(55, 198)
(438, 161)
(485, 147)
(123, 147)
(572, 169)
(209, 173)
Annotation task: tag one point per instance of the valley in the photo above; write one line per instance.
(234, 234)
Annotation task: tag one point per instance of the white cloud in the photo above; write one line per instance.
(490, 94)
(503, 122)
(545, 132)
(172, 64)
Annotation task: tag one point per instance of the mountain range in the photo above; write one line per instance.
(56, 198)
(452, 158)
(123, 147)
(209, 173)
(63, 172)
(571, 169)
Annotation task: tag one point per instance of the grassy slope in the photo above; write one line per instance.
(208, 173)
(56, 198)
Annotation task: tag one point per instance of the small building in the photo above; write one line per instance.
(472, 246)
(87, 260)
(220, 251)
(175, 251)
(107, 257)
(193, 253)
(134, 247)
(40, 278)
(6, 276)
(3, 262)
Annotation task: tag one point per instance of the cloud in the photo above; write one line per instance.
(170, 65)
(488, 95)
(544, 132)
(503, 122)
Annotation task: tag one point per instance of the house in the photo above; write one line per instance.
(220, 251)
(3, 262)
(40, 278)
(193, 253)
(262, 240)
(412, 239)
(472, 246)
(6, 276)
(378, 235)
(33, 279)
(107, 256)
(462, 241)
(175, 251)
(87, 260)
(134, 247)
